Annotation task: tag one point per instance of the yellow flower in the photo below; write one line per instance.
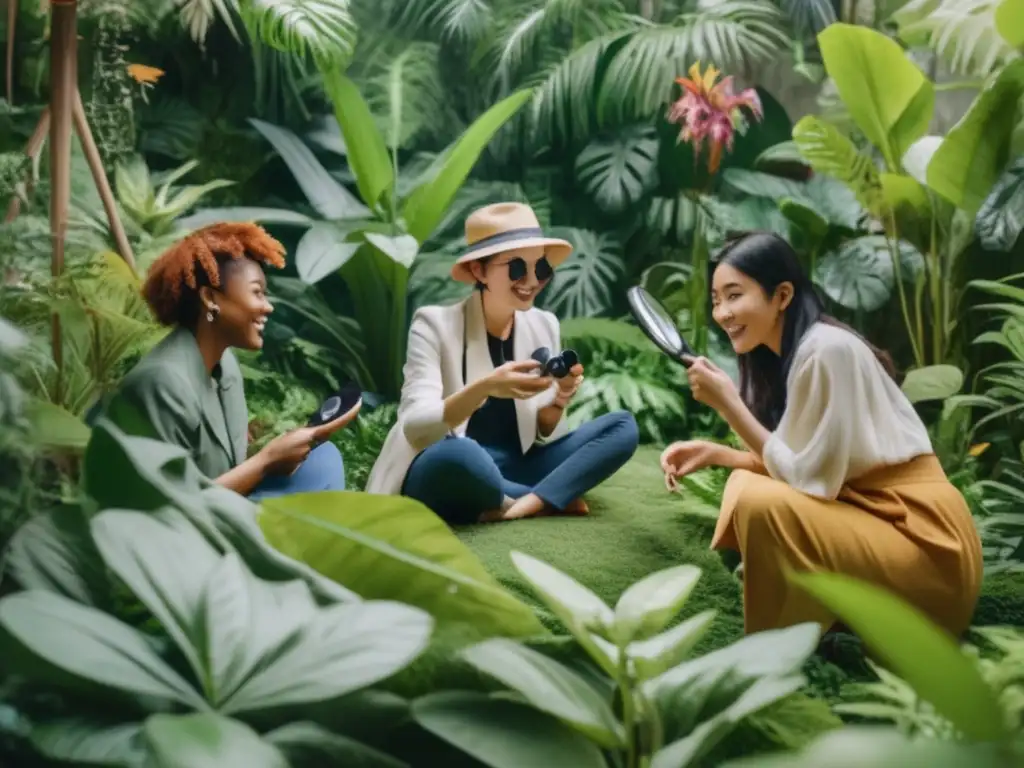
(977, 450)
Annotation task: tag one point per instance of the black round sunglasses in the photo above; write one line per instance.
(518, 267)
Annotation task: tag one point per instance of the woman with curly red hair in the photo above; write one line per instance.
(210, 289)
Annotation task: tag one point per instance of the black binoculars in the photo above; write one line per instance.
(557, 365)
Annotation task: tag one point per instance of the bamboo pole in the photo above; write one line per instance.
(63, 84)
(99, 177)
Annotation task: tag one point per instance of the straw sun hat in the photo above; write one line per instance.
(505, 227)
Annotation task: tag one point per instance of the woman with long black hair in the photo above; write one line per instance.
(840, 474)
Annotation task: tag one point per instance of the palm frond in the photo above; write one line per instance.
(326, 29)
(962, 32)
(808, 17)
(735, 36)
(197, 16)
(464, 20)
(406, 95)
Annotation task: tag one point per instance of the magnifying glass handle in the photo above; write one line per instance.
(687, 360)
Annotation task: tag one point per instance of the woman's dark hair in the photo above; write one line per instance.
(770, 261)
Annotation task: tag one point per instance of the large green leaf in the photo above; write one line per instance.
(860, 275)
(330, 199)
(81, 742)
(1010, 22)
(323, 250)
(55, 551)
(549, 686)
(262, 215)
(1001, 217)
(91, 645)
(618, 171)
(55, 427)
(933, 382)
(425, 207)
(649, 604)
(207, 741)
(166, 563)
(367, 152)
(391, 547)
(886, 94)
(504, 734)
(339, 650)
(914, 648)
(830, 152)
(306, 743)
(974, 153)
(876, 746)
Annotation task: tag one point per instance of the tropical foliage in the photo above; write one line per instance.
(147, 619)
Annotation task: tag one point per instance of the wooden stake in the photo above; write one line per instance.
(63, 84)
(99, 177)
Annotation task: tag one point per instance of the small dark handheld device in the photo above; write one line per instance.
(338, 404)
(557, 365)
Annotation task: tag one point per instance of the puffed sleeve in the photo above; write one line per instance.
(421, 412)
(813, 443)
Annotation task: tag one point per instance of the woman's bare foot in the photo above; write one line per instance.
(514, 509)
(577, 507)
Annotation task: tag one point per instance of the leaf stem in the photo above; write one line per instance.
(628, 708)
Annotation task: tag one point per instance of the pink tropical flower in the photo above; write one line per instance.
(709, 111)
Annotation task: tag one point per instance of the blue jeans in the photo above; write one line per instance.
(323, 470)
(459, 479)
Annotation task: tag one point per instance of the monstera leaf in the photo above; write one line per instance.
(860, 274)
(1001, 217)
(585, 284)
(617, 172)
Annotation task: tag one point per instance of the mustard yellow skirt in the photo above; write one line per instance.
(904, 528)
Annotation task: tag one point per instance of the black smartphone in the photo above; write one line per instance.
(338, 404)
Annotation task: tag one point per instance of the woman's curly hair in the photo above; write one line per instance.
(173, 282)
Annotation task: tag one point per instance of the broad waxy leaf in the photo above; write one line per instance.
(648, 605)
(208, 741)
(55, 427)
(864, 746)
(933, 382)
(91, 645)
(572, 602)
(391, 547)
(340, 650)
(657, 654)
(860, 274)
(367, 152)
(887, 95)
(1001, 217)
(55, 551)
(80, 741)
(330, 198)
(830, 152)
(309, 743)
(974, 153)
(1009, 20)
(913, 648)
(549, 686)
(427, 204)
(402, 249)
(323, 250)
(504, 734)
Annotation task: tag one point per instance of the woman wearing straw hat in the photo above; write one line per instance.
(480, 433)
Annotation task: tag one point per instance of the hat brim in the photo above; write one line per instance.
(555, 250)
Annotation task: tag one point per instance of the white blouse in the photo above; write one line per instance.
(844, 416)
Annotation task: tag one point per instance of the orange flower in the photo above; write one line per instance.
(144, 74)
(709, 111)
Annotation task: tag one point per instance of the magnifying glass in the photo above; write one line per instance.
(657, 323)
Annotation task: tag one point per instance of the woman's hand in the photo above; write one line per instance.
(568, 386)
(516, 380)
(284, 454)
(688, 456)
(710, 384)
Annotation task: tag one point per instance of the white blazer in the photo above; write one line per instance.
(433, 372)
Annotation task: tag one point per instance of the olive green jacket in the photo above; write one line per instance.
(170, 396)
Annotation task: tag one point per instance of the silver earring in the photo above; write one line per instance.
(212, 313)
